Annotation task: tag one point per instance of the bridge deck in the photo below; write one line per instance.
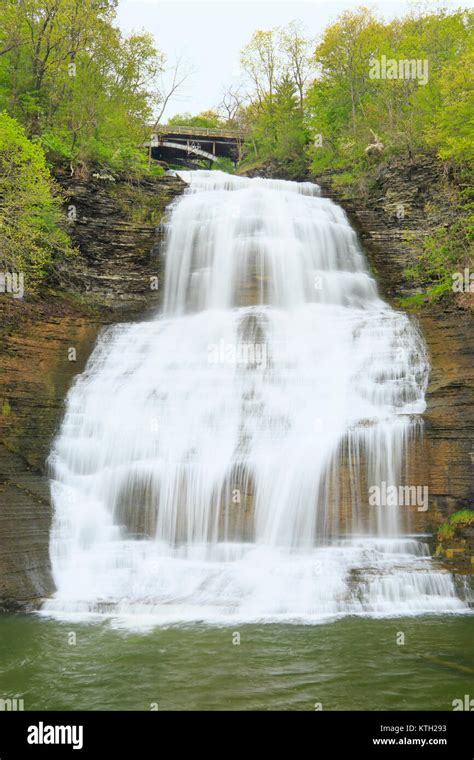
(170, 129)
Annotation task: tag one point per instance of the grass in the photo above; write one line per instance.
(447, 531)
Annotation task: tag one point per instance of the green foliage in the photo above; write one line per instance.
(224, 164)
(447, 531)
(6, 408)
(70, 78)
(452, 131)
(357, 118)
(277, 65)
(463, 518)
(278, 130)
(83, 94)
(352, 107)
(446, 250)
(207, 119)
(32, 235)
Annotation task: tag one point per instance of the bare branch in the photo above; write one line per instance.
(171, 83)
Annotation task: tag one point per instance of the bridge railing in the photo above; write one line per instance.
(172, 129)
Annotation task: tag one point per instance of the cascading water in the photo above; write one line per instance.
(199, 471)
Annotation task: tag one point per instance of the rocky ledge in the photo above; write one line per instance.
(117, 225)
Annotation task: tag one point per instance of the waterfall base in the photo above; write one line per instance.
(231, 583)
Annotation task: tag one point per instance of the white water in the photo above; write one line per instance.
(214, 463)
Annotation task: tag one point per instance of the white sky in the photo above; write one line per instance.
(211, 33)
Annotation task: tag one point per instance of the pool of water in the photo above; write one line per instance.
(351, 664)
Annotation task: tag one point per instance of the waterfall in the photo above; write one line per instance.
(214, 462)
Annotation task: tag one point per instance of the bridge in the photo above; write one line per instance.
(186, 145)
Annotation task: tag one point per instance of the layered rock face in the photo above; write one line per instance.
(35, 373)
(117, 226)
(402, 203)
(46, 342)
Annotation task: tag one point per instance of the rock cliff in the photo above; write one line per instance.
(47, 340)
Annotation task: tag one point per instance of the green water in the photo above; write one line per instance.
(353, 664)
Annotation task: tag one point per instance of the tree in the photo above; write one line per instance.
(172, 81)
(297, 51)
(346, 105)
(453, 129)
(205, 119)
(343, 56)
(277, 53)
(71, 78)
(32, 233)
(260, 62)
(231, 104)
(278, 129)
